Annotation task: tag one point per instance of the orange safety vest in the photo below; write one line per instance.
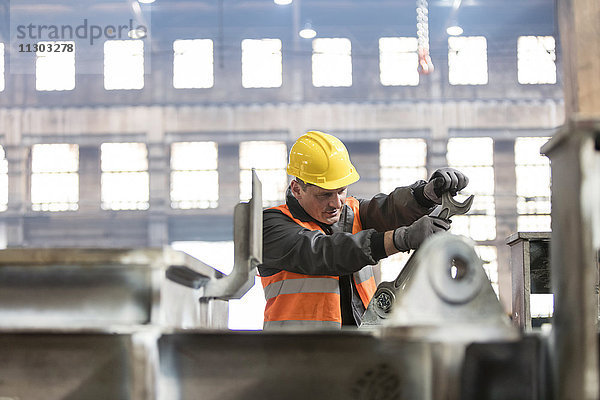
(297, 300)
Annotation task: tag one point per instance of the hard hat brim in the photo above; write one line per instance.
(339, 183)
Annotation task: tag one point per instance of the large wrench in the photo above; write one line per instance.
(450, 207)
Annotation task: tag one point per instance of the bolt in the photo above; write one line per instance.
(384, 301)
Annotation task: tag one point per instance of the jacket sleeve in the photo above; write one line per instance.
(291, 247)
(401, 207)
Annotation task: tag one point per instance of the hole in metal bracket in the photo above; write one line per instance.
(458, 268)
(597, 140)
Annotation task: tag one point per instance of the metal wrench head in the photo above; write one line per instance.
(451, 207)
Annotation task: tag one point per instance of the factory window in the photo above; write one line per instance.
(194, 176)
(401, 162)
(467, 60)
(398, 61)
(541, 305)
(124, 180)
(193, 64)
(54, 177)
(536, 59)
(55, 66)
(533, 185)
(1, 67)
(261, 63)
(269, 159)
(489, 256)
(332, 62)
(3, 180)
(123, 64)
(475, 157)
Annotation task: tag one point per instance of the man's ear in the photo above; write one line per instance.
(296, 189)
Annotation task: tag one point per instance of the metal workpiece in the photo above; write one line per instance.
(100, 288)
(441, 292)
(247, 238)
(530, 273)
(85, 323)
(443, 300)
(90, 365)
(346, 365)
(507, 370)
(574, 153)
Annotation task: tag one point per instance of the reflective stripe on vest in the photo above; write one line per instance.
(365, 284)
(303, 301)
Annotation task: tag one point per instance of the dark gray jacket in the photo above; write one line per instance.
(291, 247)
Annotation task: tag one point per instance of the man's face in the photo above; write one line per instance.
(322, 204)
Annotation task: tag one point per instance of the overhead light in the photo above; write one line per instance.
(454, 30)
(146, 1)
(307, 32)
(283, 2)
(137, 33)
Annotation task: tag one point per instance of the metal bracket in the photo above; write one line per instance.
(186, 276)
(443, 288)
(247, 238)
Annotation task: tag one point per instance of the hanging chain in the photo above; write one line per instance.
(425, 63)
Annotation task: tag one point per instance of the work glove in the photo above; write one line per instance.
(444, 180)
(411, 237)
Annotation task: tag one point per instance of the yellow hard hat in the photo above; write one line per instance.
(322, 160)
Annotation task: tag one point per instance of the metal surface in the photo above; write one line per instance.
(447, 301)
(100, 288)
(443, 300)
(186, 276)
(450, 207)
(85, 323)
(530, 272)
(76, 366)
(443, 286)
(506, 371)
(342, 365)
(575, 160)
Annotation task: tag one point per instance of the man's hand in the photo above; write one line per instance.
(444, 180)
(411, 237)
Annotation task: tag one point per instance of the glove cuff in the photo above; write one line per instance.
(400, 239)
(419, 195)
(429, 193)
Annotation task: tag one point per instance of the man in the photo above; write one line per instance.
(319, 247)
